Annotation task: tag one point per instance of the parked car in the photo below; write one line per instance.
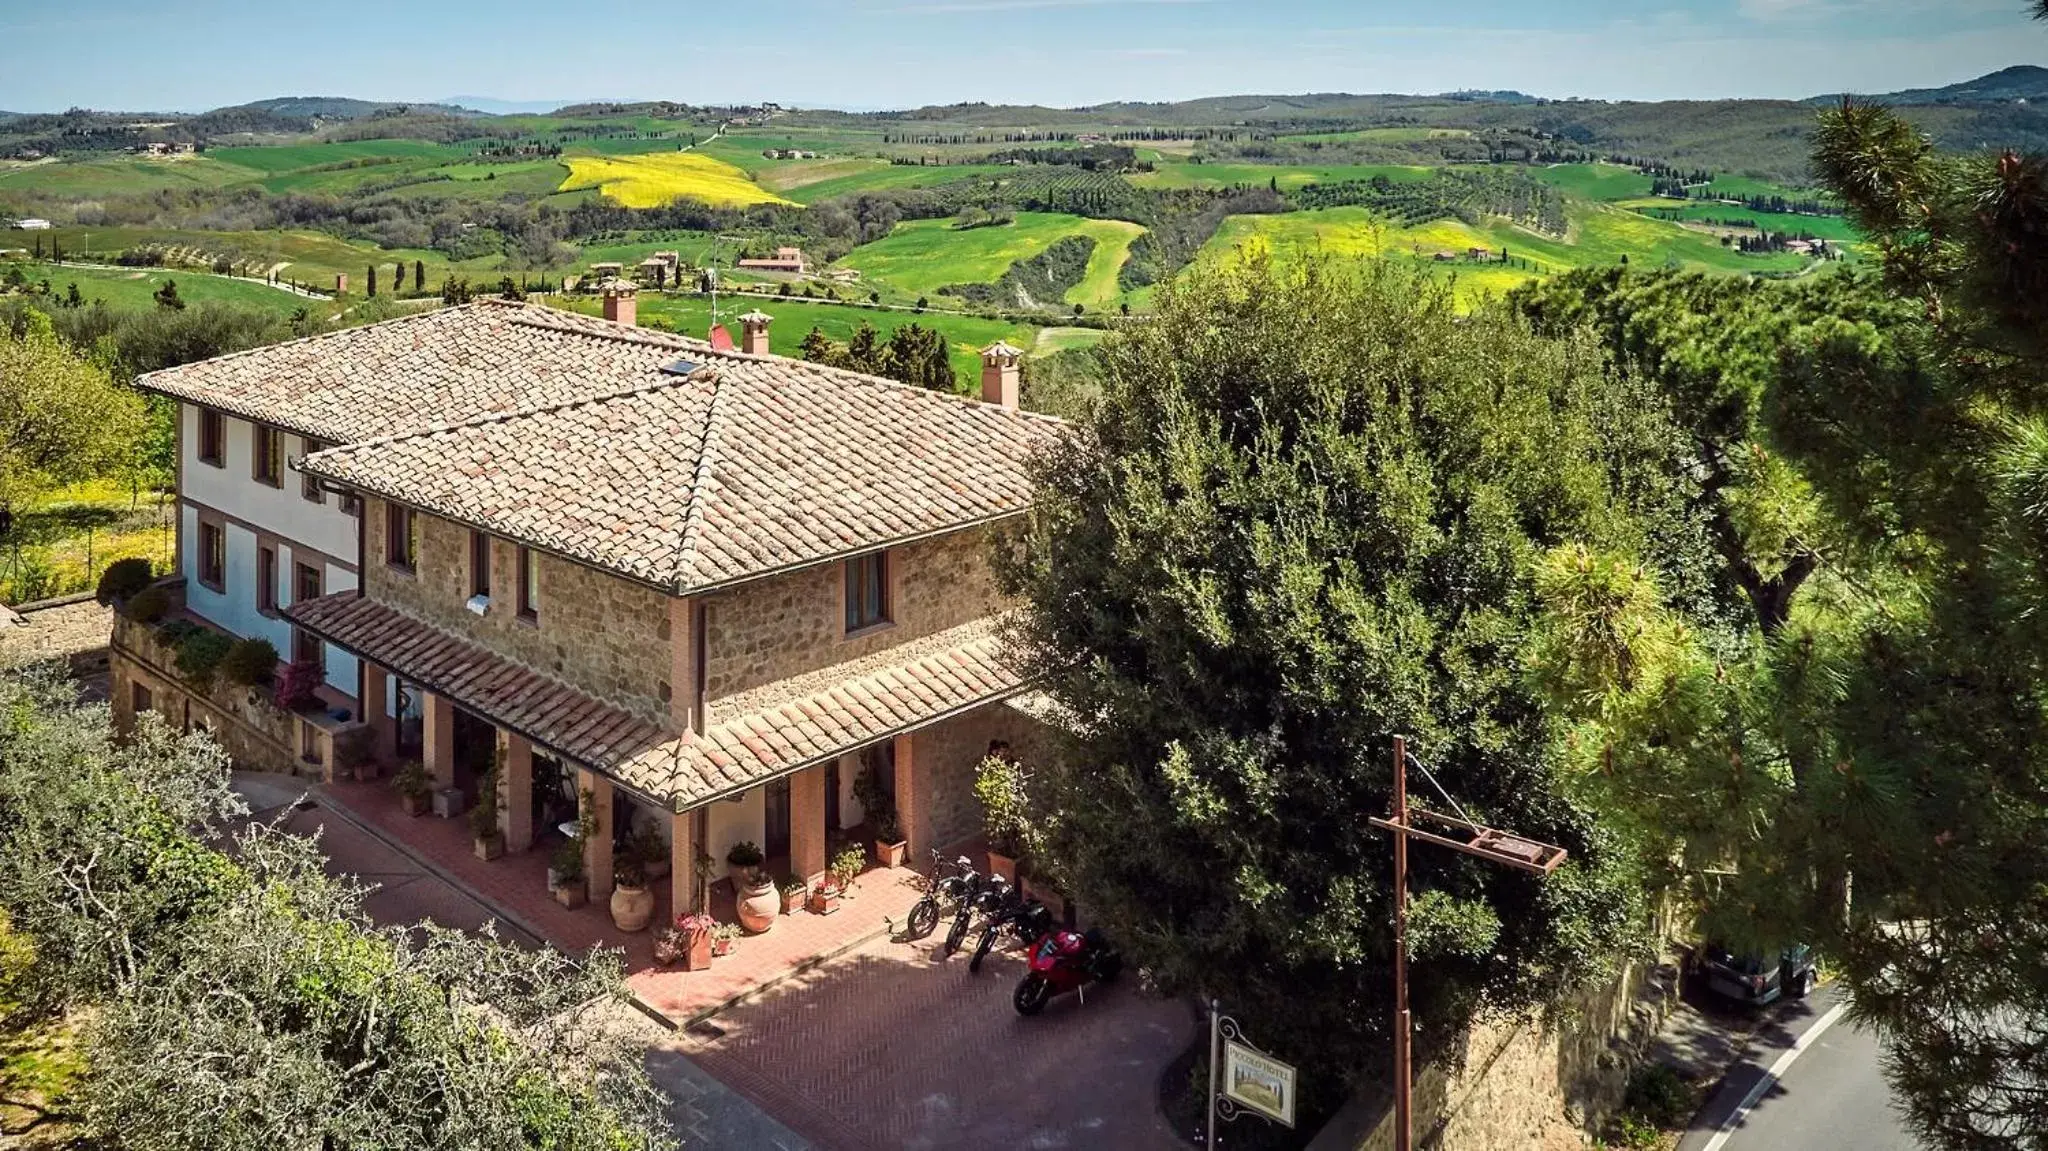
(1753, 980)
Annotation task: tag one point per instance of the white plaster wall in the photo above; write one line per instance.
(231, 488)
(728, 823)
(850, 810)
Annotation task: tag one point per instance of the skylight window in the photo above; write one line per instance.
(680, 367)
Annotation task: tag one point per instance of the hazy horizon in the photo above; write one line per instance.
(868, 55)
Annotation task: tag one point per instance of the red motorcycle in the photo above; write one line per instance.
(1063, 961)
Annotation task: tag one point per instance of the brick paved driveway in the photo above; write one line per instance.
(885, 1048)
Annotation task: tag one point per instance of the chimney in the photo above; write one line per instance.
(754, 332)
(618, 301)
(999, 374)
(341, 283)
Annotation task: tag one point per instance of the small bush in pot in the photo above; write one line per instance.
(414, 786)
(483, 818)
(793, 890)
(723, 937)
(123, 580)
(148, 605)
(295, 689)
(249, 662)
(847, 866)
(745, 856)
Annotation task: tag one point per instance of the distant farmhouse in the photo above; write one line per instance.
(788, 154)
(32, 224)
(785, 260)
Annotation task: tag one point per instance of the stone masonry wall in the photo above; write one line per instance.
(946, 756)
(784, 626)
(604, 634)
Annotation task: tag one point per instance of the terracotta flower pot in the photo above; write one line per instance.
(489, 847)
(1003, 865)
(697, 955)
(632, 907)
(891, 854)
(721, 947)
(572, 895)
(413, 804)
(793, 900)
(823, 901)
(757, 906)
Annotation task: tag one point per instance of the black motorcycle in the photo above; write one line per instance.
(987, 894)
(1024, 918)
(948, 883)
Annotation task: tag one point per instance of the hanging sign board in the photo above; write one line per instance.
(1258, 1082)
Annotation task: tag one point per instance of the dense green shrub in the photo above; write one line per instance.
(148, 605)
(249, 662)
(200, 652)
(124, 578)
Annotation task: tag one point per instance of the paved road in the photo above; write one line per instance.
(1831, 1095)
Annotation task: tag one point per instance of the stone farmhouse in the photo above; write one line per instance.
(697, 592)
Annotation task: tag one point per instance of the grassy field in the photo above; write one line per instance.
(1173, 175)
(310, 257)
(1401, 135)
(1595, 181)
(921, 256)
(653, 180)
(136, 288)
(272, 159)
(1601, 235)
(118, 176)
(965, 335)
(68, 538)
(1833, 228)
(875, 175)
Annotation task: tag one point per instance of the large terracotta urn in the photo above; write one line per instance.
(759, 904)
(632, 907)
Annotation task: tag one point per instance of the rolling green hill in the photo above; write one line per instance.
(920, 257)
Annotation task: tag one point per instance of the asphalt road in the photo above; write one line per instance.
(1831, 1095)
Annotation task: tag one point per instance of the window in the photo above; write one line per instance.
(266, 579)
(306, 647)
(213, 556)
(480, 564)
(213, 439)
(308, 486)
(268, 465)
(867, 591)
(139, 698)
(529, 586)
(400, 548)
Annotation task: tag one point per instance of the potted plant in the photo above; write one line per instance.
(745, 856)
(565, 874)
(652, 850)
(632, 902)
(880, 808)
(723, 937)
(689, 940)
(847, 866)
(483, 818)
(793, 892)
(1001, 785)
(824, 898)
(415, 788)
(756, 902)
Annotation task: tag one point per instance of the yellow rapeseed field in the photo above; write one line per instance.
(654, 179)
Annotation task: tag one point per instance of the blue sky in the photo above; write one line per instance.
(181, 54)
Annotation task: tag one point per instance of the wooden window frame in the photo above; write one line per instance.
(213, 438)
(309, 485)
(401, 542)
(307, 647)
(267, 577)
(529, 586)
(859, 576)
(266, 456)
(480, 564)
(215, 579)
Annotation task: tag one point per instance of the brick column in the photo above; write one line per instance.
(515, 791)
(596, 791)
(437, 737)
(910, 802)
(807, 822)
(682, 863)
(383, 729)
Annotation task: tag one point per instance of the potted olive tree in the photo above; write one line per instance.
(1000, 783)
(565, 874)
(745, 856)
(483, 818)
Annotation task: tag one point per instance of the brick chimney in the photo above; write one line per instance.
(754, 332)
(618, 301)
(1000, 376)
